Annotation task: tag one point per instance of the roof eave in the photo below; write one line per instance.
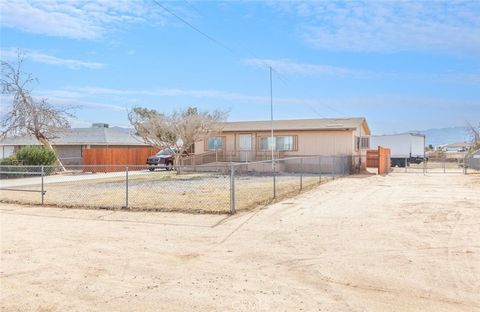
(283, 129)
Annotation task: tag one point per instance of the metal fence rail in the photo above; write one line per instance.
(262, 182)
(222, 187)
(437, 165)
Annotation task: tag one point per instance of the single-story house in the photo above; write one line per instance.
(251, 140)
(70, 144)
(456, 147)
(473, 160)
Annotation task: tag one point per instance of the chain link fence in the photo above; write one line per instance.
(432, 165)
(212, 188)
(472, 163)
(263, 182)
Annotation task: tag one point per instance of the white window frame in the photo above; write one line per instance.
(269, 143)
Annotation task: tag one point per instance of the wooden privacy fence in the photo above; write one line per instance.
(379, 158)
(372, 158)
(114, 159)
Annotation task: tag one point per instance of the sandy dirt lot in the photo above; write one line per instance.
(404, 242)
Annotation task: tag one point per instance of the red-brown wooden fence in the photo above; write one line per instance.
(383, 160)
(372, 158)
(102, 159)
(379, 158)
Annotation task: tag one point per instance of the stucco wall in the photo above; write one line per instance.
(6, 151)
(69, 154)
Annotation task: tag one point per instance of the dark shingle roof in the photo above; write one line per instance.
(83, 136)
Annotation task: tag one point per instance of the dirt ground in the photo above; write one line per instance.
(403, 242)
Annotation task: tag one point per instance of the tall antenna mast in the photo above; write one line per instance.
(271, 115)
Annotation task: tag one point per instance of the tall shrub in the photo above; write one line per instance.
(36, 156)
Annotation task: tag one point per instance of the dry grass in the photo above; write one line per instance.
(164, 191)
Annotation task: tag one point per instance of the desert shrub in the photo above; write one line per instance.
(10, 161)
(10, 164)
(36, 156)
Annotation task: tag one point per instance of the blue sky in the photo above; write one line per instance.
(403, 65)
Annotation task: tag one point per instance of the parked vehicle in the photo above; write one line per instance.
(163, 159)
(405, 148)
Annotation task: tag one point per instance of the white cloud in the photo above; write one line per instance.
(389, 26)
(289, 67)
(44, 58)
(285, 66)
(65, 99)
(76, 100)
(76, 19)
(211, 94)
(383, 101)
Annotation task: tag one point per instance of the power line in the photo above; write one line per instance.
(212, 39)
(194, 28)
(189, 3)
(286, 81)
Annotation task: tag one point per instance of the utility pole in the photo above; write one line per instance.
(271, 115)
(272, 138)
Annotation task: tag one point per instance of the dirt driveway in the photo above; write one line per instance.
(404, 242)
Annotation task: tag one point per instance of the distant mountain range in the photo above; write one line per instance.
(444, 136)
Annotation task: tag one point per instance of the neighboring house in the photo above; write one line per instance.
(251, 140)
(456, 147)
(71, 143)
(473, 160)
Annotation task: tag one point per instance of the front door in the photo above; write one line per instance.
(245, 147)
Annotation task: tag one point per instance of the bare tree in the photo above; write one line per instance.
(474, 135)
(178, 130)
(26, 115)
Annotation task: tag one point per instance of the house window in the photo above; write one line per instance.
(215, 143)
(282, 143)
(365, 142)
(362, 143)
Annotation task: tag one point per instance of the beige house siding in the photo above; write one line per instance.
(325, 143)
(319, 142)
(312, 137)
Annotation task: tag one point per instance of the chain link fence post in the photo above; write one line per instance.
(319, 170)
(301, 174)
(232, 189)
(43, 193)
(126, 187)
(274, 180)
(333, 167)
